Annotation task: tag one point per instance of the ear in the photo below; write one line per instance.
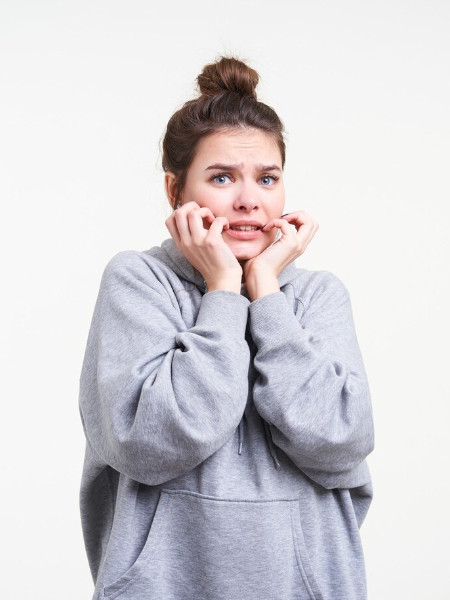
(170, 180)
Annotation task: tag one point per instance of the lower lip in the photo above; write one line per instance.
(244, 235)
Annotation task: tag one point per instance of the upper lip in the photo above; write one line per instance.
(252, 223)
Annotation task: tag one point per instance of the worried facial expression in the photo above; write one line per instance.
(237, 174)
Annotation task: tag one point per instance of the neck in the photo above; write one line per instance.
(242, 263)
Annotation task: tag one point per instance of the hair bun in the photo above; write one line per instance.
(228, 75)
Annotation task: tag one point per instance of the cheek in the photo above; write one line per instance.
(280, 203)
(206, 196)
(219, 204)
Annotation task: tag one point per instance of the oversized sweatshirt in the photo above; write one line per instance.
(226, 439)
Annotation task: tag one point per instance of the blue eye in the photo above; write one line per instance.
(268, 179)
(220, 179)
(226, 178)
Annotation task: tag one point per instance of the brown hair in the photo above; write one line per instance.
(227, 100)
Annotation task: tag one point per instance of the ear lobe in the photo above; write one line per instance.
(170, 180)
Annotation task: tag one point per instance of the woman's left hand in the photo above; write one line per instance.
(291, 245)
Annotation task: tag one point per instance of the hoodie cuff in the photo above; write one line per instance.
(226, 309)
(271, 318)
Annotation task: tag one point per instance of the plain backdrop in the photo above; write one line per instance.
(86, 92)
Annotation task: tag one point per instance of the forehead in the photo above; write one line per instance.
(236, 146)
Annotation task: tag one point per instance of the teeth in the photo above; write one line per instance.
(245, 227)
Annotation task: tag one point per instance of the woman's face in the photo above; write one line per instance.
(237, 174)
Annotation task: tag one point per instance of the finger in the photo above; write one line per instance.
(305, 224)
(300, 218)
(193, 206)
(173, 230)
(298, 239)
(304, 228)
(218, 226)
(180, 219)
(206, 214)
(275, 223)
(196, 223)
(181, 216)
(286, 228)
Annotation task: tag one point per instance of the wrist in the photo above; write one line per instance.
(230, 284)
(262, 284)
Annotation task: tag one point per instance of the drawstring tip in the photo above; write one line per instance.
(240, 435)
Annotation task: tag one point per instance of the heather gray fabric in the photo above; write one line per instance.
(226, 439)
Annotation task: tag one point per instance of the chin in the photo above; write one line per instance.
(247, 253)
(244, 257)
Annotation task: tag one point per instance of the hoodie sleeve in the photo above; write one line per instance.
(312, 387)
(156, 399)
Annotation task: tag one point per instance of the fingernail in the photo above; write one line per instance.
(285, 214)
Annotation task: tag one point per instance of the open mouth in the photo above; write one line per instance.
(244, 232)
(244, 228)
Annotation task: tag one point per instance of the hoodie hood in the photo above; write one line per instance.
(169, 254)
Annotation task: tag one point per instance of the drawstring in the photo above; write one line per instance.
(240, 435)
(268, 435)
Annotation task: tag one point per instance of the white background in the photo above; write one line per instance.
(87, 89)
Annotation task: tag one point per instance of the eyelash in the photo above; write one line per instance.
(274, 177)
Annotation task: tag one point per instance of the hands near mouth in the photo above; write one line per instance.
(291, 245)
(204, 247)
(207, 251)
(261, 272)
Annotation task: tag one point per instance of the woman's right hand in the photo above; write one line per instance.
(205, 248)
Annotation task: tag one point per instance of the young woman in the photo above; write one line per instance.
(223, 394)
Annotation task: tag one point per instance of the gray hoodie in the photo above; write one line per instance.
(225, 439)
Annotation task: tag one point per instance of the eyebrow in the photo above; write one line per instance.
(240, 166)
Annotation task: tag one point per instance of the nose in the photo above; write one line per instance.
(247, 198)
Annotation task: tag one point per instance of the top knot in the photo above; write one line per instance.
(228, 75)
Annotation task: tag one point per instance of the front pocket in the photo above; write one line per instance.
(123, 587)
(202, 547)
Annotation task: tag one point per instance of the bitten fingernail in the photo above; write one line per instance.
(285, 214)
